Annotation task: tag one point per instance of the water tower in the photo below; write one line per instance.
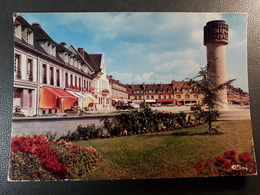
(216, 39)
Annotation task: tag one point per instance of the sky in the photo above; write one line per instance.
(149, 47)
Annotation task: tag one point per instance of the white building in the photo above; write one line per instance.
(50, 78)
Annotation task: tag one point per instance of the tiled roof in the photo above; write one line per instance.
(157, 87)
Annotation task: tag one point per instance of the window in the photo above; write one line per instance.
(66, 79)
(44, 74)
(30, 70)
(51, 76)
(196, 96)
(17, 67)
(18, 31)
(30, 94)
(71, 79)
(58, 77)
(178, 96)
(79, 83)
(76, 81)
(17, 101)
(187, 96)
(28, 35)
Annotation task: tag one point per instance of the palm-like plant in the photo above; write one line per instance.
(204, 83)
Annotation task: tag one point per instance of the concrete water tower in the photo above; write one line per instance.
(216, 39)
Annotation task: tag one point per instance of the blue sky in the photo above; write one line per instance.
(149, 47)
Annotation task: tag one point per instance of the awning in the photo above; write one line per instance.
(165, 100)
(56, 98)
(150, 101)
(92, 98)
(137, 101)
(91, 101)
(80, 96)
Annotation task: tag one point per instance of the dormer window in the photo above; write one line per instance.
(18, 31)
(66, 57)
(71, 60)
(51, 49)
(27, 35)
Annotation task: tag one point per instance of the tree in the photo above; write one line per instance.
(204, 83)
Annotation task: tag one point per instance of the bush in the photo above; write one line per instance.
(78, 159)
(113, 129)
(24, 166)
(36, 158)
(148, 120)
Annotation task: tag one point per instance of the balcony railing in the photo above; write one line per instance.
(52, 81)
(44, 79)
(18, 74)
(58, 82)
(105, 91)
(30, 76)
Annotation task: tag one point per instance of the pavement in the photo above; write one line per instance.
(234, 112)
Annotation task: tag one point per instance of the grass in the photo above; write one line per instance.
(168, 154)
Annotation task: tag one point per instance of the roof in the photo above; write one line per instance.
(157, 87)
(92, 61)
(40, 34)
(22, 21)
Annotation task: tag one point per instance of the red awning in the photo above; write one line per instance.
(56, 98)
(165, 100)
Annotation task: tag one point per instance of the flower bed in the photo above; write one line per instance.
(229, 165)
(35, 158)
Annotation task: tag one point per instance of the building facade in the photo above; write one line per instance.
(51, 78)
(174, 93)
(119, 94)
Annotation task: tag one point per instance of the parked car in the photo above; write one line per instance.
(135, 105)
(124, 107)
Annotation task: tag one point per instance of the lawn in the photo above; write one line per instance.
(168, 154)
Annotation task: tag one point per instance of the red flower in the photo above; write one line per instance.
(228, 165)
(207, 163)
(220, 160)
(38, 145)
(245, 157)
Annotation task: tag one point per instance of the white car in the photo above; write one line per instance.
(134, 105)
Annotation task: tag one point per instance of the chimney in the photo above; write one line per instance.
(81, 51)
(64, 44)
(36, 24)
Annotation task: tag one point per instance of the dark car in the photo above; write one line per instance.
(124, 107)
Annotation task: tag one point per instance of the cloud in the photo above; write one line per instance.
(148, 47)
(123, 77)
(181, 68)
(145, 77)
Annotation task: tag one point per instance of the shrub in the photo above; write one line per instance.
(24, 166)
(78, 159)
(113, 129)
(83, 133)
(36, 158)
(228, 165)
(38, 146)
